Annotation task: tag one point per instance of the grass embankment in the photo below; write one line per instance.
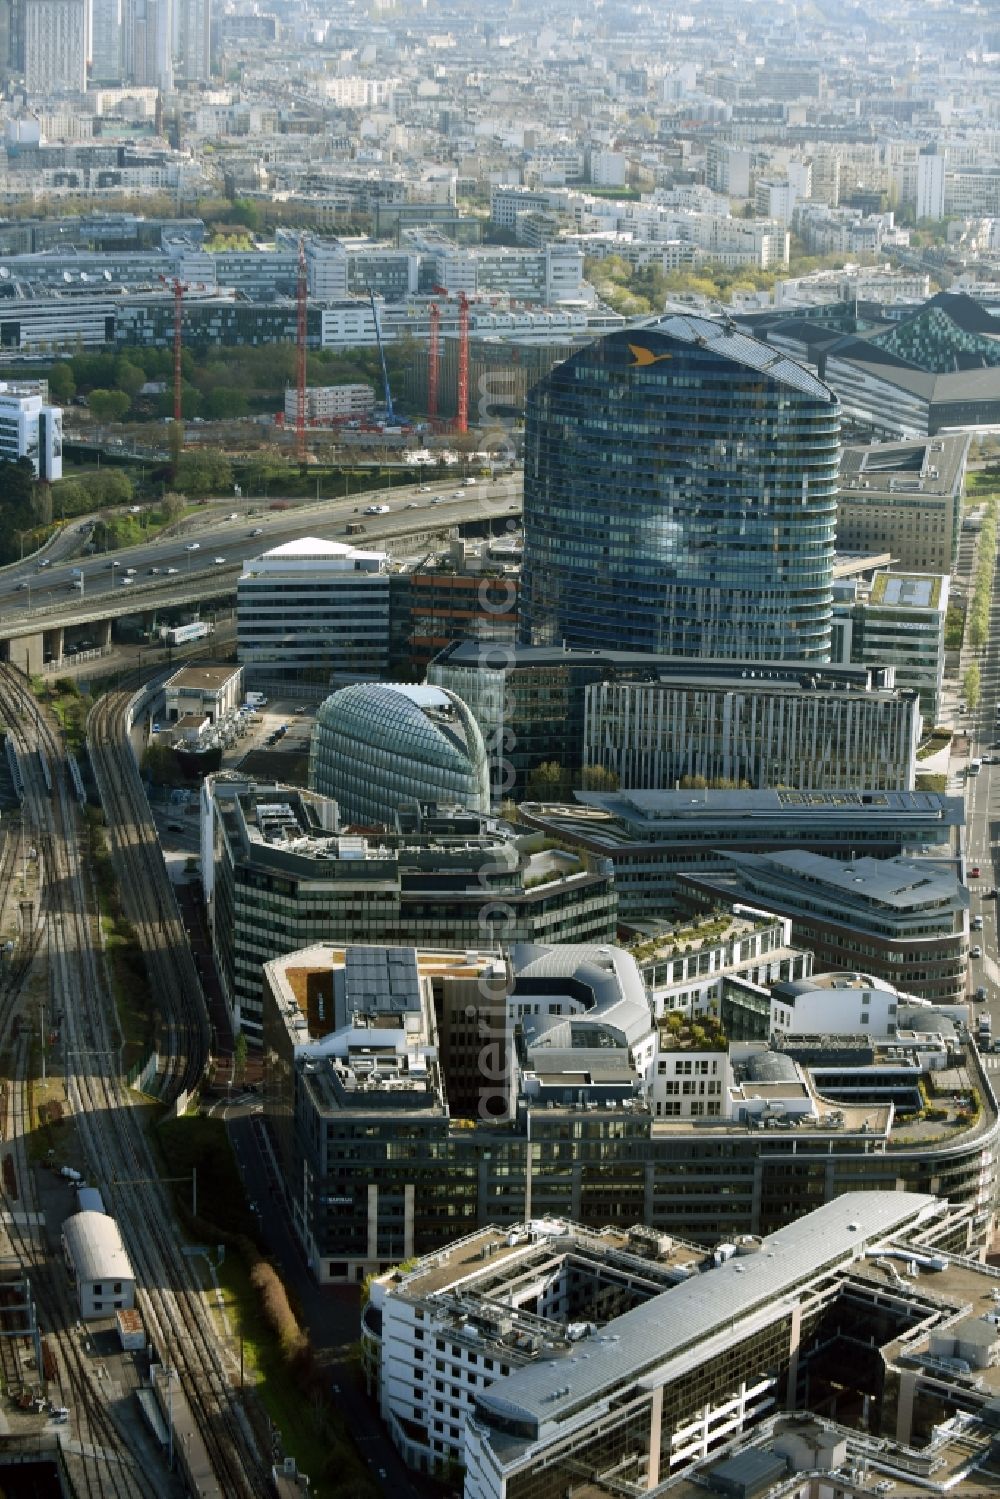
(277, 1358)
(126, 964)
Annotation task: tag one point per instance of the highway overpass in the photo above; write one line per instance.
(44, 616)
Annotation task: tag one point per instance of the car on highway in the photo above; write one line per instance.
(459, 494)
(113, 564)
(130, 571)
(974, 872)
(257, 531)
(44, 563)
(153, 571)
(376, 510)
(424, 489)
(980, 993)
(218, 561)
(977, 923)
(24, 585)
(991, 893)
(171, 571)
(127, 579)
(411, 505)
(193, 546)
(976, 952)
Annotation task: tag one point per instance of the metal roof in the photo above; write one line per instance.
(95, 1246)
(635, 1345)
(724, 340)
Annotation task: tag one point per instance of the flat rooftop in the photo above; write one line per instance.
(642, 1341)
(201, 678)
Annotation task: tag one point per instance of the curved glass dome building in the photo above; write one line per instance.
(680, 489)
(377, 746)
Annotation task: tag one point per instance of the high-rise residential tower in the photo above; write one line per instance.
(680, 488)
(55, 46)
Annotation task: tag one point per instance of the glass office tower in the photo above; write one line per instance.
(680, 488)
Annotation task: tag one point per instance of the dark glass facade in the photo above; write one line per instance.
(680, 496)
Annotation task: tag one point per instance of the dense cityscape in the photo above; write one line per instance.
(500, 695)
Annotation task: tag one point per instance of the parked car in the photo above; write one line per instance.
(976, 952)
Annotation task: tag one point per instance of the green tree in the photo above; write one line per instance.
(549, 782)
(109, 405)
(62, 386)
(225, 402)
(598, 778)
(129, 377)
(971, 684)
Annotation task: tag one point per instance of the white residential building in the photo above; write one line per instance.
(930, 186)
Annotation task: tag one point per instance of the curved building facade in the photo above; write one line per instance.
(378, 746)
(680, 492)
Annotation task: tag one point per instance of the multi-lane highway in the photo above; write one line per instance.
(213, 545)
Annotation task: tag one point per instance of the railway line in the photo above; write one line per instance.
(220, 1444)
(148, 897)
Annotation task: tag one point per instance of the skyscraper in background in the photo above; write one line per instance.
(148, 52)
(194, 40)
(107, 41)
(680, 491)
(55, 46)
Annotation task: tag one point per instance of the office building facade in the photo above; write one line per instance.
(378, 746)
(900, 920)
(897, 620)
(680, 497)
(280, 871)
(904, 498)
(652, 720)
(314, 611)
(30, 428)
(650, 837)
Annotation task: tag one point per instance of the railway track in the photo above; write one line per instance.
(148, 897)
(118, 1154)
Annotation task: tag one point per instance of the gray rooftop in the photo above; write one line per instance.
(651, 807)
(637, 1344)
(902, 884)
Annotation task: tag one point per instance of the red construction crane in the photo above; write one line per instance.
(178, 288)
(462, 383)
(301, 297)
(433, 363)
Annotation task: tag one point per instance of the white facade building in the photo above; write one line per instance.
(55, 46)
(930, 187)
(95, 1257)
(315, 611)
(30, 428)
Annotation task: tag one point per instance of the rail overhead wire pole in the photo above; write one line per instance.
(301, 296)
